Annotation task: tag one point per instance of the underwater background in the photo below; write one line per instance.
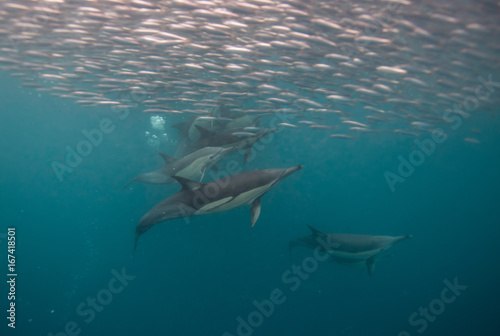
(196, 279)
(202, 276)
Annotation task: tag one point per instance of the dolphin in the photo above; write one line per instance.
(188, 132)
(224, 194)
(348, 248)
(237, 139)
(191, 166)
(215, 121)
(247, 120)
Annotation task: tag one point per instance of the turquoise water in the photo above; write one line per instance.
(391, 106)
(199, 278)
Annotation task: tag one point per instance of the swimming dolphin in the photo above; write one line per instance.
(237, 139)
(227, 193)
(247, 120)
(188, 133)
(191, 166)
(348, 248)
(188, 128)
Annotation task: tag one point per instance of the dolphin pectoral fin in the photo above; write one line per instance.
(203, 170)
(215, 168)
(255, 211)
(370, 265)
(168, 159)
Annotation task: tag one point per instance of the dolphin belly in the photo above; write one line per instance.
(355, 255)
(154, 178)
(214, 206)
(232, 202)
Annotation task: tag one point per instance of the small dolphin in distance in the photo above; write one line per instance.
(224, 194)
(349, 248)
(191, 166)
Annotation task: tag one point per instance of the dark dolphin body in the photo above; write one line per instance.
(227, 193)
(348, 248)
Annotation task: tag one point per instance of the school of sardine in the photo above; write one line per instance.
(398, 66)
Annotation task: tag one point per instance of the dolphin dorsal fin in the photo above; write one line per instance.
(188, 184)
(315, 232)
(204, 133)
(168, 159)
(325, 238)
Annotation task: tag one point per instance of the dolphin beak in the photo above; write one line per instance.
(400, 238)
(405, 237)
(292, 170)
